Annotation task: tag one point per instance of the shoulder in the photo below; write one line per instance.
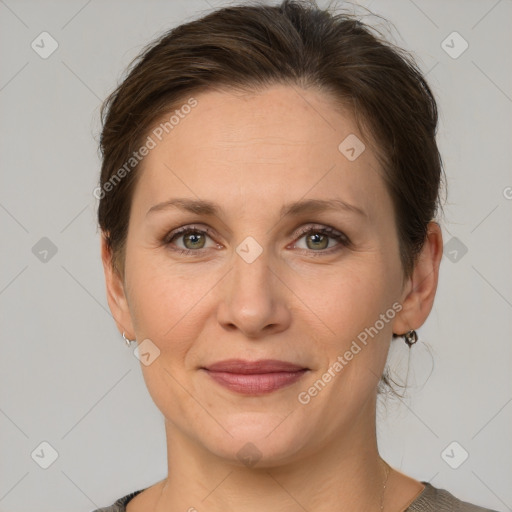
(433, 499)
(120, 504)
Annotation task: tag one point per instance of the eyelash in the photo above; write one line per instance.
(341, 238)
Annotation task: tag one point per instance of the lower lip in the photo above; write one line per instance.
(256, 383)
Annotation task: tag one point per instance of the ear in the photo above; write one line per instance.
(420, 289)
(116, 297)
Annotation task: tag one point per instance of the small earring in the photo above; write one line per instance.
(410, 337)
(128, 342)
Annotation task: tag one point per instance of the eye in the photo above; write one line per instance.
(317, 239)
(193, 239)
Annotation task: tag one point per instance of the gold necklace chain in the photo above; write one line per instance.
(387, 470)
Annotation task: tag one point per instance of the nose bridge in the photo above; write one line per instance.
(251, 276)
(252, 300)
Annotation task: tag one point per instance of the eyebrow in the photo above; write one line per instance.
(308, 206)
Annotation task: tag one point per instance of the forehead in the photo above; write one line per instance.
(281, 143)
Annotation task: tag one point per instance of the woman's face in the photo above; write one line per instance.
(257, 286)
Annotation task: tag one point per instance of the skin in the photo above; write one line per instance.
(252, 153)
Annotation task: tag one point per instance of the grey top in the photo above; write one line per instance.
(431, 499)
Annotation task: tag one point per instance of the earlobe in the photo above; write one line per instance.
(421, 288)
(115, 291)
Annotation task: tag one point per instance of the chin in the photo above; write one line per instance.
(258, 439)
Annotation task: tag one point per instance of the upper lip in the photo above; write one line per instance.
(247, 367)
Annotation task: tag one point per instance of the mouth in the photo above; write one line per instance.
(255, 377)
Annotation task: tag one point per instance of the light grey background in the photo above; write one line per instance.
(67, 377)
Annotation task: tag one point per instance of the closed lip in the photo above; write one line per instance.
(242, 366)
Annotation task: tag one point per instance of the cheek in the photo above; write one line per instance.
(354, 302)
(165, 308)
(345, 299)
(164, 298)
(355, 306)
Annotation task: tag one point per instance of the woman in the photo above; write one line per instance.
(268, 191)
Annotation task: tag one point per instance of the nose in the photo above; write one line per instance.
(253, 299)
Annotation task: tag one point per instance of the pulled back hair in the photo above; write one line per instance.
(252, 46)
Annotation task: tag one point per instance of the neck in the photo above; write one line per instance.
(342, 473)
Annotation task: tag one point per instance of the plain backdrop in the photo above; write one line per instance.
(67, 378)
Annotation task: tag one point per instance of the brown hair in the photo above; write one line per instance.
(251, 46)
